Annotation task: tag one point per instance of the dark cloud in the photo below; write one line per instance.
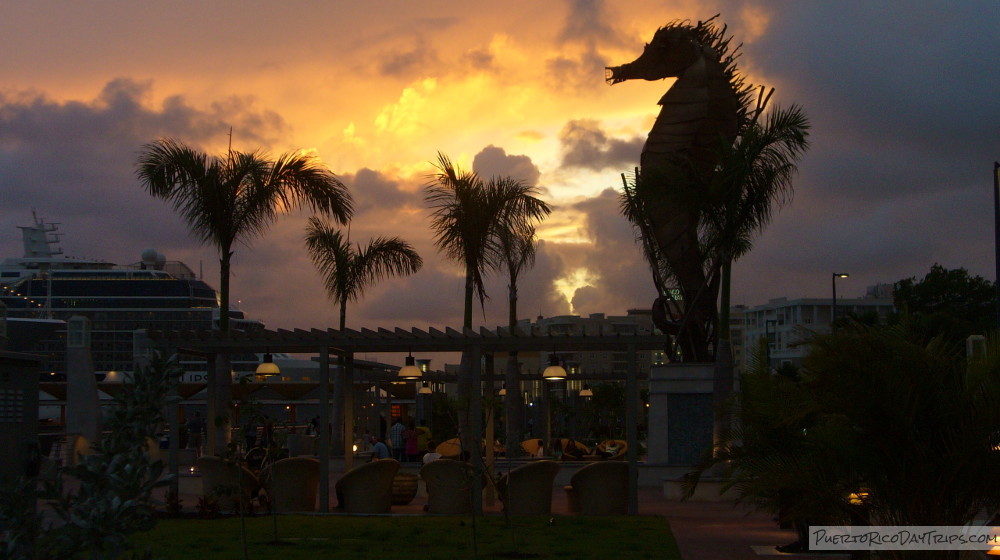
(480, 59)
(577, 75)
(407, 60)
(417, 300)
(492, 161)
(904, 111)
(587, 22)
(74, 161)
(586, 145)
(624, 281)
(373, 190)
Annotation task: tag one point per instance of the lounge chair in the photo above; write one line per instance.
(226, 482)
(599, 489)
(527, 490)
(291, 484)
(449, 486)
(80, 447)
(530, 446)
(368, 487)
(449, 448)
(619, 455)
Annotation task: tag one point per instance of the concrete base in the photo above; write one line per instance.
(680, 413)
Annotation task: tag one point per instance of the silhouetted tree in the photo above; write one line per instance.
(235, 198)
(347, 271)
(949, 302)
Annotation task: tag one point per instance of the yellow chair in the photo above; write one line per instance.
(619, 454)
(449, 448)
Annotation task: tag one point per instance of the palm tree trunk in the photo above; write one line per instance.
(722, 382)
(469, 291)
(512, 401)
(221, 376)
(339, 393)
(465, 387)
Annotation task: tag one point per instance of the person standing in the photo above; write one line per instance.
(412, 449)
(423, 436)
(396, 439)
(196, 427)
(267, 439)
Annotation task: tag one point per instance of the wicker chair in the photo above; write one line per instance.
(367, 488)
(449, 486)
(599, 489)
(292, 484)
(222, 481)
(527, 490)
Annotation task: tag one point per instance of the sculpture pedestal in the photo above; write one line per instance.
(680, 413)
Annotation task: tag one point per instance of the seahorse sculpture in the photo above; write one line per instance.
(703, 110)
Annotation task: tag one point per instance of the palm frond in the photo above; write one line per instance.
(469, 215)
(348, 270)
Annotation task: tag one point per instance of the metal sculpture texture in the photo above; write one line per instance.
(701, 114)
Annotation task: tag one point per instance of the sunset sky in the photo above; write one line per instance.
(904, 102)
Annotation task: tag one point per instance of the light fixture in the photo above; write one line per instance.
(554, 372)
(586, 391)
(425, 389)
(268, 367)
(503, 390)
(410, 370)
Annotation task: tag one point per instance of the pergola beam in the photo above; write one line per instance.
(348, 342)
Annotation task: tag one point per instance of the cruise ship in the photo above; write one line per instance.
(44, 288)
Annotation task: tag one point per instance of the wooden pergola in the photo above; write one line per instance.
(347, 342)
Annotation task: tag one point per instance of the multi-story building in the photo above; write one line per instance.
(787, 323)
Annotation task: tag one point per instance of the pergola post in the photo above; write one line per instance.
(490, 437)
(324, 423)
(346, 378)
(631, 430)
(476, 426)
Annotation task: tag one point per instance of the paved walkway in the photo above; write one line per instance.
(704, 530)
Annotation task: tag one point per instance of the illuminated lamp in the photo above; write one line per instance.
(268, 367)
(554, 372)
(410, 370)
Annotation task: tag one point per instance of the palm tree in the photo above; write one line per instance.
(235, 198)
(347, 271)
(518, 255)
(469, 218)
(734, 203)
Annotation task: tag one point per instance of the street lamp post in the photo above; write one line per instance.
(833, 307)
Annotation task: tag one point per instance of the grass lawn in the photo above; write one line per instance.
(424, 537)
